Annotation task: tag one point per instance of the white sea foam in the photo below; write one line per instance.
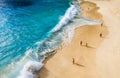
(69, 16)
(29, 69)
(25, 68)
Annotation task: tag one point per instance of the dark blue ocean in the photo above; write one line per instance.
(24, 25)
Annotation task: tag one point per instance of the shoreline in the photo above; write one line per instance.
(102, 60)
(50, 61)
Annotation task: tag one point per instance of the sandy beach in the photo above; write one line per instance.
(94, 51)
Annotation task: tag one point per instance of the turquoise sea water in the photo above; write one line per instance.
(23, 26)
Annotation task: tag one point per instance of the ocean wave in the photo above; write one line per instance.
(69, 16)
(29, 70)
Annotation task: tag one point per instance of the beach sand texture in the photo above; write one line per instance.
(98, 55)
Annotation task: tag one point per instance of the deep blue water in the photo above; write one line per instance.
(22, 25)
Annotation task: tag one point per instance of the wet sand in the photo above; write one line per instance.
(94, 51)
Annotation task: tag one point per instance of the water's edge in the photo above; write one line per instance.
(70, 35)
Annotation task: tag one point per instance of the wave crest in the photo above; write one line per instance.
(29, 69)
(69, 16)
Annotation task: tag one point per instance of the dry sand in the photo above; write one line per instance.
(101, 57)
